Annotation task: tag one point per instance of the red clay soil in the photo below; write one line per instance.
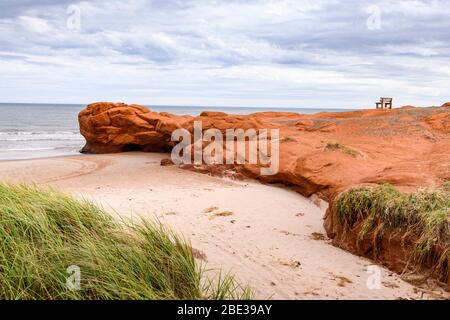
(323, 154)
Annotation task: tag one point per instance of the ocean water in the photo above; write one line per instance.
(45, 130)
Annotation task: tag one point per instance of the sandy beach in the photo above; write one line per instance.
(269, 237)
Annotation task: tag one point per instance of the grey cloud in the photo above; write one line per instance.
(254, 48)
(13, 8)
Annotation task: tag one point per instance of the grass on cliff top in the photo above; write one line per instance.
(423, 216)
(44, 232)
(343, 148)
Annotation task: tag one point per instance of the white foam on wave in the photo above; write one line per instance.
(40, 136)
(29, 149)
(68, 148)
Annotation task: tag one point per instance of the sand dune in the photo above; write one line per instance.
(269, 237)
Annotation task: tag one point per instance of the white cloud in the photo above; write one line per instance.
(34, 24)
(250, 53)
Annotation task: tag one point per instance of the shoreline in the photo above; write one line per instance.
(270, 238)
(42, 158)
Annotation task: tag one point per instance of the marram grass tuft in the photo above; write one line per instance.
(423, 216)
(44, 232)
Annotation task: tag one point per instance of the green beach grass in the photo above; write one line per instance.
(423, 216)
(343, 148)
(45, 232)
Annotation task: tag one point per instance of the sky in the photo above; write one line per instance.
(250, 53)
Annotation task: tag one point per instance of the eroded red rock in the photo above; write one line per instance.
(323, 154)
(405, 147)
(117, 127)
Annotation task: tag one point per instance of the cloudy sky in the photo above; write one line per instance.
(266, 53)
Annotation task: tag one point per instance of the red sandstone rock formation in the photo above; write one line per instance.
(408, 147)
(117, 127)
(323, 154)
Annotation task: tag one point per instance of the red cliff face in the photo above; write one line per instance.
(322, 153)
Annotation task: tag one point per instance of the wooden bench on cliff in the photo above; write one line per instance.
(384, 103)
